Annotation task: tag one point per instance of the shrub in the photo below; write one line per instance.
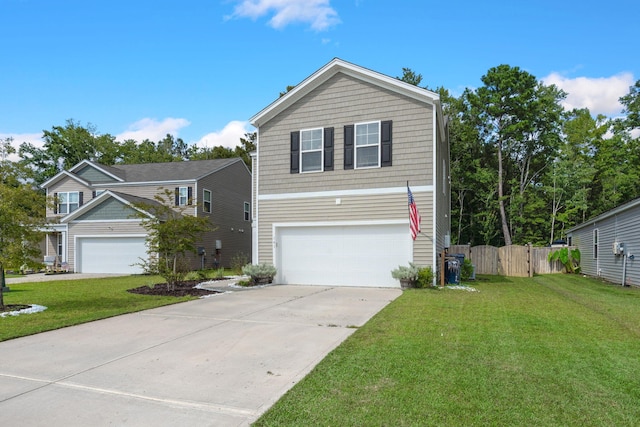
(238, 261)
(466, 270)
(406, 273)
(260, 273)
(425, 278)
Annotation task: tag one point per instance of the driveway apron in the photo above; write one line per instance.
(216, 361)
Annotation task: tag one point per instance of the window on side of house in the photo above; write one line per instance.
(206, 201)
(247, 211)
(311, 143)
(595, 244)
(367, 138)
(68, 202)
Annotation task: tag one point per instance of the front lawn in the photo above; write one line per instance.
(71, 302)
(548, 351)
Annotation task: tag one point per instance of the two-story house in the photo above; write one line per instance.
(94, 229)
(330, 173)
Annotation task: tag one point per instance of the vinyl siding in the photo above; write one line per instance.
(91, 174)
(351, 209)
(230, 188)
(109, 210)
(64, 186)
(340, 101)
(622, 227)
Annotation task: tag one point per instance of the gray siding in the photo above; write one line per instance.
(91, 174)
(230, 188)
(108, 210)
(622, 227)
(340, 101)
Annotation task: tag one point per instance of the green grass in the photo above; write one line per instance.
(71, 302)
(548, 351)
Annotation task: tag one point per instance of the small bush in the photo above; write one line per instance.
(260, 273)
(466, 270)
(406, 273)
(425, 278)
(238, 261)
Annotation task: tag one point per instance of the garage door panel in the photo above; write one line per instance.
(110, 254)
(342, 255)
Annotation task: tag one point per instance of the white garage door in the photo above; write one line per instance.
(342, 255)
(110, 254)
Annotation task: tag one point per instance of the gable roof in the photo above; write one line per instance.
(126, 199)
(149, 172)
(615, 211)
(334, 67)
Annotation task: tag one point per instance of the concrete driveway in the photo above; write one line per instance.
(217, 361)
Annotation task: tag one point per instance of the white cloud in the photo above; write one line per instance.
(318, 13)
(228, 137)
(18, 138)
(153, 129)
(599, 94)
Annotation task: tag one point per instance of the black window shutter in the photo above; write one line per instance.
(189, 195)
(348, 146)
(81, 198)
(295, 152)
(328, 149)
(55, 203)
(177, 196)
(93, 194)
(385, 143)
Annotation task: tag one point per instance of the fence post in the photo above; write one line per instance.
(530, 258)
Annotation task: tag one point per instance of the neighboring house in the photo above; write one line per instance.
(610, 243)
(93, 224)
(330, 174)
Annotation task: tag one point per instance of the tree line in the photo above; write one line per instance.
(525, 170)
(68, 145)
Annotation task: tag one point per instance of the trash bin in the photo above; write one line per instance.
(452, 273)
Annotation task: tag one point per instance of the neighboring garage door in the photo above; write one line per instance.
(110, 254)
(342, 255)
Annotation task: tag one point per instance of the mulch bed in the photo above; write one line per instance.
(14, 307)
(181, 289)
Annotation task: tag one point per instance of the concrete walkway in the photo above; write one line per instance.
(216, 361)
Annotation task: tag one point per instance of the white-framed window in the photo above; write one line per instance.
(247, 211)
(183, 196)
(99, 192)
(595, 244)
(60, 245)
(206, 201)
(367, 150)
(68, 201)
(311, 150)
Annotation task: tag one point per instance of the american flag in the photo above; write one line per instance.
(414, 216)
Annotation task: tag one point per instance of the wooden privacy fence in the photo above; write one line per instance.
(513, 260)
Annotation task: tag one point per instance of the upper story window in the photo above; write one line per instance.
(247, 211)
(367, 145)
(206, 201)
(183, 195)
(67, 202)
(311, 150)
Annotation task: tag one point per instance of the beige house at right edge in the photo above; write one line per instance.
(334, 156)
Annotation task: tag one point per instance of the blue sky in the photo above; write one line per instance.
(200, 69)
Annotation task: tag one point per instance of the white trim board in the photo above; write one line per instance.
(345, 193)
